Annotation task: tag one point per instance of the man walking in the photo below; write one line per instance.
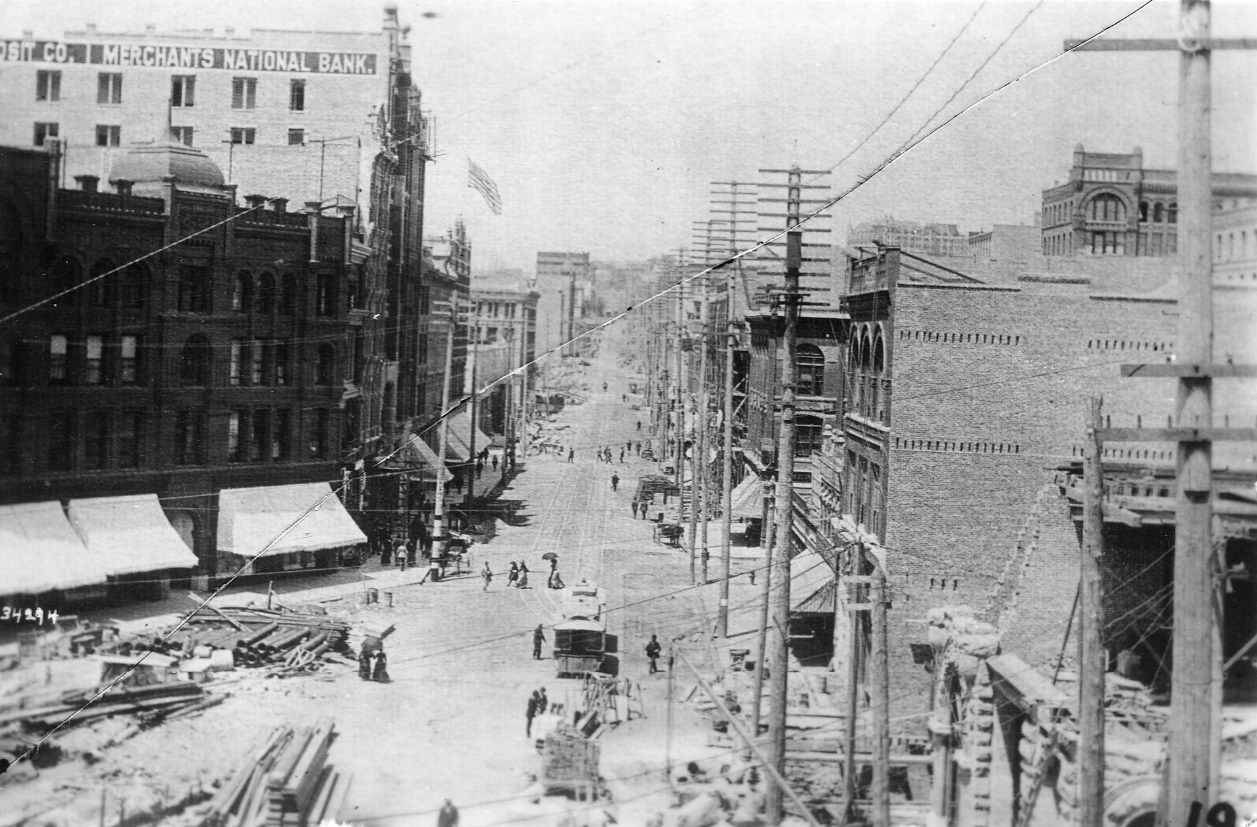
(652, 651)
(634, 507)
(448, 817)
(538, 638)
(571, 452)
(532, 712)
(615, 482)
(487, 574)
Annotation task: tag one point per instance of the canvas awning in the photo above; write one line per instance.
(461, 427)
(748, 498)
(812, 585)
(458, 437)
(281, 519)
(40, 552)
(129, 534)
(414, 454)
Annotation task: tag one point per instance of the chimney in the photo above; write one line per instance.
(91, 28)
(88, 183)
(312, 217)
(279, 205)
(255, 201)
(348, 212)
(123, 186)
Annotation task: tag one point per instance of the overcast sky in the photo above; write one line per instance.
(604, 123)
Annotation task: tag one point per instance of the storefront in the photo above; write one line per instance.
(134, 541)
(46, 564)
(285, 528)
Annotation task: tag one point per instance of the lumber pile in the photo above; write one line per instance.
(287, 641)
(569, 763)
(284, 782)
(152, 703)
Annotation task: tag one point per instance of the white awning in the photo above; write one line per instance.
(40, 552)
(460, 424)
(414, 453)
(748, 498)
(281, 519)
(812, 586)
(129, 534)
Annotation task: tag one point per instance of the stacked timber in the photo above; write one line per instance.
(285, 782)
(153, 703)
(288, 641)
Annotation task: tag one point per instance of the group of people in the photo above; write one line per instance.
(538, 704)
(641, 506)
(517, 576)
(372, 662)
(606, 455)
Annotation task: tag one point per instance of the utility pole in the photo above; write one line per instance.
(855, 600)
(779, 661)
(765, 599)
(443, 431)
(1091, 663)
(474, 348)
(1192, 777)
(726, 463)
(880, 683)
(700, 473)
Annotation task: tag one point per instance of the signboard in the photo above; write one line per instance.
(187, 57)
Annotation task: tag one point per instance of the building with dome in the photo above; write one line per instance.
(172, 345)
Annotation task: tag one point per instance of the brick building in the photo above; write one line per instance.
(1111, 205)
(932, 239)
(218, 363)
(505, 325)
(562, 281)
(964, 397)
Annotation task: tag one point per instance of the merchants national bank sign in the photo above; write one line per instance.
(187, 57)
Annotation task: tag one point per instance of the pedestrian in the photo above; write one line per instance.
(543, 703)
(621, 456)
(448, 817)
(386, 554)
(523, 575)
(399, 553)
(364, 665)
(531, 713)
(628, 446)
(639, 424)
(615, 482)
(513, 575)
(571, 452)
(639, 448)
(487, 574)
(538, 638)
(634, 507)
(495, 462)
(652, 651)
(380, 672)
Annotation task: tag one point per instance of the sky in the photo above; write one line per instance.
(605, 123)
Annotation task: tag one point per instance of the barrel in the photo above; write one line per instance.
(373, 595)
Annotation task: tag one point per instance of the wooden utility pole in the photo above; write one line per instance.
(766, 597)
(880, 684)
(855, 600)
(726, 462)
(442, 440)
(700, 472)
(1091, 655)
(779, 659)
(1195, 682)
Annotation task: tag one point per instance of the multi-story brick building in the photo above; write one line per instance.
(560, 283)
(930, 239)
(504, 324)
(1112, 205)
(165, 341)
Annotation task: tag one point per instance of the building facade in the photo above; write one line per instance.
(504, 330)
(931, 239)
(560, 282)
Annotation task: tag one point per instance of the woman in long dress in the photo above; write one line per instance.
(523, 575)
(512, 576)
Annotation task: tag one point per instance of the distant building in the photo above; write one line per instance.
(927, 239)
(1112, 206)
(563, 280)
(504, 324)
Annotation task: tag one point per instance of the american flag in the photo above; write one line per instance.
(480, 181)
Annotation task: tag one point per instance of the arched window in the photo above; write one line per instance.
(808, 431)
(865, 388)
(811, 364)
(288, 295)
(1106, 207)
(325, 367)
(134, 286)
(194, 362)
(266, 293)
(242, 293)
(11, 353)
(1143, 210)
(1173, 216)
(102, 284)
(1158, 212)
(65, 275)
(877, 403)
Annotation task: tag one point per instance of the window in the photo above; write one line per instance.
(243, 135)
(129, 429)
(95, 346)
(108, 135)
(61, 435)
(109, 87)
(48, 85)
(101, 285)
(57, 347)
(318, 443)
(282, 375)
(325, 366)
(255, 362)
(96, 441)
(193, 289)
(11, 358)
(296, 137)
(194, 362)
(189, 438)
(233, 366)
(182, 134)
(12, 445)
(259, 443)
(288, 295)
(183, 90)
(44, 131)
(234, 420)
(811, 364)
(128, 358)
(325, 298)
(281, 437)
(1158, 212)
(1173, 213)
(1107, 207)
(242, 294)
(297, 95)
(808, 431)
(244, 93)
(134, 281)
(65, 276)
(266, 293)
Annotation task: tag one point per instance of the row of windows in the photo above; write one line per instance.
(182, 90)
(99, 440)
(1109, 207)
(96, 361)
(1232, 247)
(111, 135)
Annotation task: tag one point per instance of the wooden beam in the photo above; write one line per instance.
(860, 757)
(1178, 434)
(1166, 369)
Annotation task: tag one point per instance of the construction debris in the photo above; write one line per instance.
(287, 641)
(284, 782)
